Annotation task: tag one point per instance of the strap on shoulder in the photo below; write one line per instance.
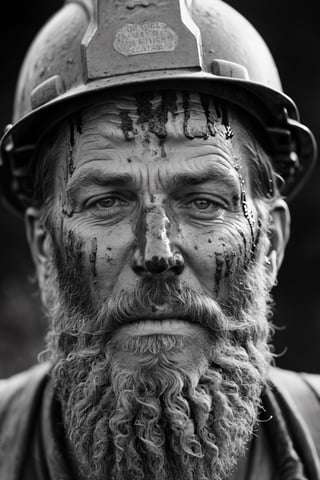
(301, 408)
(304, 391)
(313, 381)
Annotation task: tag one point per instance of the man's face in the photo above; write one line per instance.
(144, 205)
(160, 287)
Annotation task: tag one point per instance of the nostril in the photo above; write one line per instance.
(157, 265)
(138, 269)
(138, 263)
(177, 263)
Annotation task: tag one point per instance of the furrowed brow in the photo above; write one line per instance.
(192, 178)
(86, 180)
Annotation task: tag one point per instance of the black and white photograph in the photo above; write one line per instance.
(160, 240)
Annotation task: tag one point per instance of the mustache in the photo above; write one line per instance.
(155, 299)
(91, 328)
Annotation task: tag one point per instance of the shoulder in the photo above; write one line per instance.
(313, 380)
(21, 387)
(298, 394)
(300, 386)
(20, 380)
(280, 374)
(20, 397)
(299, 389)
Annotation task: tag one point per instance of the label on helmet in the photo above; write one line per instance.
(147, 37)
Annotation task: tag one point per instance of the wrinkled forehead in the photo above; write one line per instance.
(168, 114)
(169, 125)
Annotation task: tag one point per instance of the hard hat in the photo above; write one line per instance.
(92, 48)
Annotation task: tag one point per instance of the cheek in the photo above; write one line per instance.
(101, 253)
(215, 255)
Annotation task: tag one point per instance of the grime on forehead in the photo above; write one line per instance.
(196, 117)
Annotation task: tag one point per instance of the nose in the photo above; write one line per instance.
(154, 254)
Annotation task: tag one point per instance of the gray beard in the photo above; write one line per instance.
(159, 406)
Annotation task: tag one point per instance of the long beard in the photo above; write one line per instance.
(159, 406)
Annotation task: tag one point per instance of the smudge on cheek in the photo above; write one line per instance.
(230, 249)
(218, 271)
(71, 262)
(225, 267)
(109, 256)
(79, 254)
(93, 256)
(73, 248)
(69, 245)
(244, 242)
(229, 262)
(255, 240)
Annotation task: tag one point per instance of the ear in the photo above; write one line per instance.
(39, 241)
(278, 237)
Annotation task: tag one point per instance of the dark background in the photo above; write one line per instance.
(291, 31)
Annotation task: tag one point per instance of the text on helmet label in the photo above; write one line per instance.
(147, 37)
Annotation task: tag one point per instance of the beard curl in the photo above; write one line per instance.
(159, 406)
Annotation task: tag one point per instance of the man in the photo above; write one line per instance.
(151, 168)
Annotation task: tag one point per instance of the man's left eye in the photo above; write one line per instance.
(107, 202)
(203, 207)
(202, 203)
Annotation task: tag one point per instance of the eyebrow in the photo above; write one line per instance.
(208, 174)
(101, 179)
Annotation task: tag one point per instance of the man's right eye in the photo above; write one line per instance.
(107, 205)
(106, 202)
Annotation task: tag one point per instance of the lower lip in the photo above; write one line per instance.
(153, 327)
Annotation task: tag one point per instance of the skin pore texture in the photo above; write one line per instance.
(155, 265)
